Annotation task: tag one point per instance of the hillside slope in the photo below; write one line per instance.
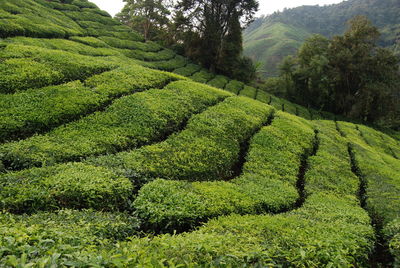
(110, 159)
(263, 40)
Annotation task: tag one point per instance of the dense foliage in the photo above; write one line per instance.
(347, 75)
(101, 151)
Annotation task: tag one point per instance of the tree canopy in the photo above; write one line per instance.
(212, 33)
(348, 75)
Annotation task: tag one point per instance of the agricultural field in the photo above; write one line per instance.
(116, 152)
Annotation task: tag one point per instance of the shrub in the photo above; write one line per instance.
(52, 238)
(129, 122)
(66, 45)
(183, 156)
(391, 234)
(41, 109)
(129, 78)
(128, 44)
(162, 55)
(168, 65)
(380, 172)
(167, 206)
(219, 81)
(90, 41)
(248, 91)
(28, 67)
(73, 185)
(36, 20)
(234, 86)
(188, 70)
(202, 76)
(264, 97)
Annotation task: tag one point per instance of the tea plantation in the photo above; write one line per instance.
(116, 152)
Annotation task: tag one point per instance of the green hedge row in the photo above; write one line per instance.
(391, 234)
(48, 239)
(176, 205)
(65, 45)
(73, 185)
(188, 70)
(234, 86)
(330, 229)
(207, 149)
(90, 41)
(219, 81)
(234, 241)
(162, 55)
(264, 97)
(91, 15)
(128, 44)
(202, 76)
(129, 122)
(336, 176)
(379, 141)
(26, 67)
(249, 92)
(29, 18)
(38, 110)
(168, 65)
(380, 172)
(382, 183)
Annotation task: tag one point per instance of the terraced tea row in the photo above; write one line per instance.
(379, 169)
(268, 182)
(330, 229)
(206, 150)
(129, 122)
(102, 182)
(49, 19)
(39, 110)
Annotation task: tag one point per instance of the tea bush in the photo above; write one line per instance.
(183, 156)
(234, 86)
(129, 122)
(202, 76)
(219, 81)
(188, 70)
(174, 205)
(26, 67)
(72, 185)
(248, 91)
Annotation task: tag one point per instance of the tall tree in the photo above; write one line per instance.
(348, 75)
(149, 17)
(217, 26)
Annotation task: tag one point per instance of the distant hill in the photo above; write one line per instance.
(269, 39)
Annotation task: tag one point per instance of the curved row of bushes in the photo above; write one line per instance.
(130, 122)
(206, 150)
(379, 170)
(38, 110)
(24, 67)
(330, 229)
(166, 205)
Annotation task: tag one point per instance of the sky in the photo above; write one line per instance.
(266, 6)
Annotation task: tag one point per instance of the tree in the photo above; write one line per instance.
(217, 24)
(149, 17)
(348, 75)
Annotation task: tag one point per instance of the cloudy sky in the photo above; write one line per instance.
(266, 6)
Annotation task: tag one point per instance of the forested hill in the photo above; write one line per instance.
(269, 39)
